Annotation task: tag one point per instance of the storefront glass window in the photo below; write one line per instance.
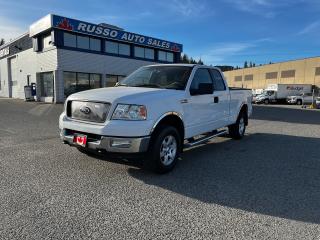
(95, 44)
(83, 81)
(70, 40)
(169, 57)
(111, 47)
(139, 52)
(95, 80)
(83, 42)
(149, 53)
(111, 80)
(70, 83)
(162, 56)
(124, 49)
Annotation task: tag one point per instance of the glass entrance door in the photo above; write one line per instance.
(46, 84)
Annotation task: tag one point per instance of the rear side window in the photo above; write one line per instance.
(218, 83)
(202, 75)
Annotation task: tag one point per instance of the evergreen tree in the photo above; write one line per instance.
(185, 58)
(200, 62)
(2, 42)
(245, 64)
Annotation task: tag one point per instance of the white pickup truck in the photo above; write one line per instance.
(158, 111)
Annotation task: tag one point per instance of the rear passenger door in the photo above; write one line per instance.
(221, 97)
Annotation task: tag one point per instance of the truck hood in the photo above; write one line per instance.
(124, 94)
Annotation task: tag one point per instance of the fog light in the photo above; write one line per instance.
(120, 143)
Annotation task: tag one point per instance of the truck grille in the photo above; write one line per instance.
(88, 111)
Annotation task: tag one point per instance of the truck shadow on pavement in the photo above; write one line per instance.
(276, 175)
(283, 114)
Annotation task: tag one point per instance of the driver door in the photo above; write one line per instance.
(198, 110)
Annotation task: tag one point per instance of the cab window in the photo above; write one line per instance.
(218, 82)
(201, 83)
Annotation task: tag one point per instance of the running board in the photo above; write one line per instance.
(205, 138)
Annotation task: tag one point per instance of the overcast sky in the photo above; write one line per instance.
(220, 32)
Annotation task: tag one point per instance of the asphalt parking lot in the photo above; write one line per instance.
(266, 186)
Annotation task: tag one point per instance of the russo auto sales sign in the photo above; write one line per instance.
(110, 33)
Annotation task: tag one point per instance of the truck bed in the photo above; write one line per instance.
(238, 88)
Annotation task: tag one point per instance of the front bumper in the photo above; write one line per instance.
(291, 101)
(109, 143)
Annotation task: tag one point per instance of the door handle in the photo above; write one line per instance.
(215, 99)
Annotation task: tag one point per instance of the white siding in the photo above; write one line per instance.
(97, 63)
(75, 61)
(28, 63)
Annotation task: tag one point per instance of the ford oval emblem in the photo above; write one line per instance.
(85, 110)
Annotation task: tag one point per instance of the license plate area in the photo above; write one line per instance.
(80, 140)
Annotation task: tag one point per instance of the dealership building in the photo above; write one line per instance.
(63, 55)
(302, 71)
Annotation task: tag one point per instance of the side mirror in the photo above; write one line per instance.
(204, 88)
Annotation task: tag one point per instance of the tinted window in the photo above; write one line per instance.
(95, 44)
(82, 42)
(95, 80)
(70, 83)
(70, 40)
(218, 83)
(111, 47)
(162, 56)
(149, 53)
(111, 80)
(83, 81)
(139, 52)
(169, 57)
(202, 75)
(124, 49)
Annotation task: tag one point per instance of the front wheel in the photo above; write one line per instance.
(237, 130)
(266, 101)
(164, 150)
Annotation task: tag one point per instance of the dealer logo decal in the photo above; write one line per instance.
(64, 24)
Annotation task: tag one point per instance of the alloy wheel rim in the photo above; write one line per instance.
(241, 126)
(168, 150)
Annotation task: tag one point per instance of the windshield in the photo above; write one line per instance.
(165, 77)
(267, 93)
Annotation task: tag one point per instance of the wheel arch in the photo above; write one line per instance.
(244, 108)
(172, 119)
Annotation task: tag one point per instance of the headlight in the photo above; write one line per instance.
(129, 112)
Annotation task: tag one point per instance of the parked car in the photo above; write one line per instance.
(318, 102)
(158, 110)
(305, 99)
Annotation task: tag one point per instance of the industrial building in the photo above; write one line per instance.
(63, 55)
(302, 71)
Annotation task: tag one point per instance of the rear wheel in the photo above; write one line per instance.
(266, 101)
(164, 150)
(299, 102)
(237, 130)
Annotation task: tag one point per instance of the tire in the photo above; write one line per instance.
(266, 101)
(164, 150)
(237, 130)
(299, 102)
